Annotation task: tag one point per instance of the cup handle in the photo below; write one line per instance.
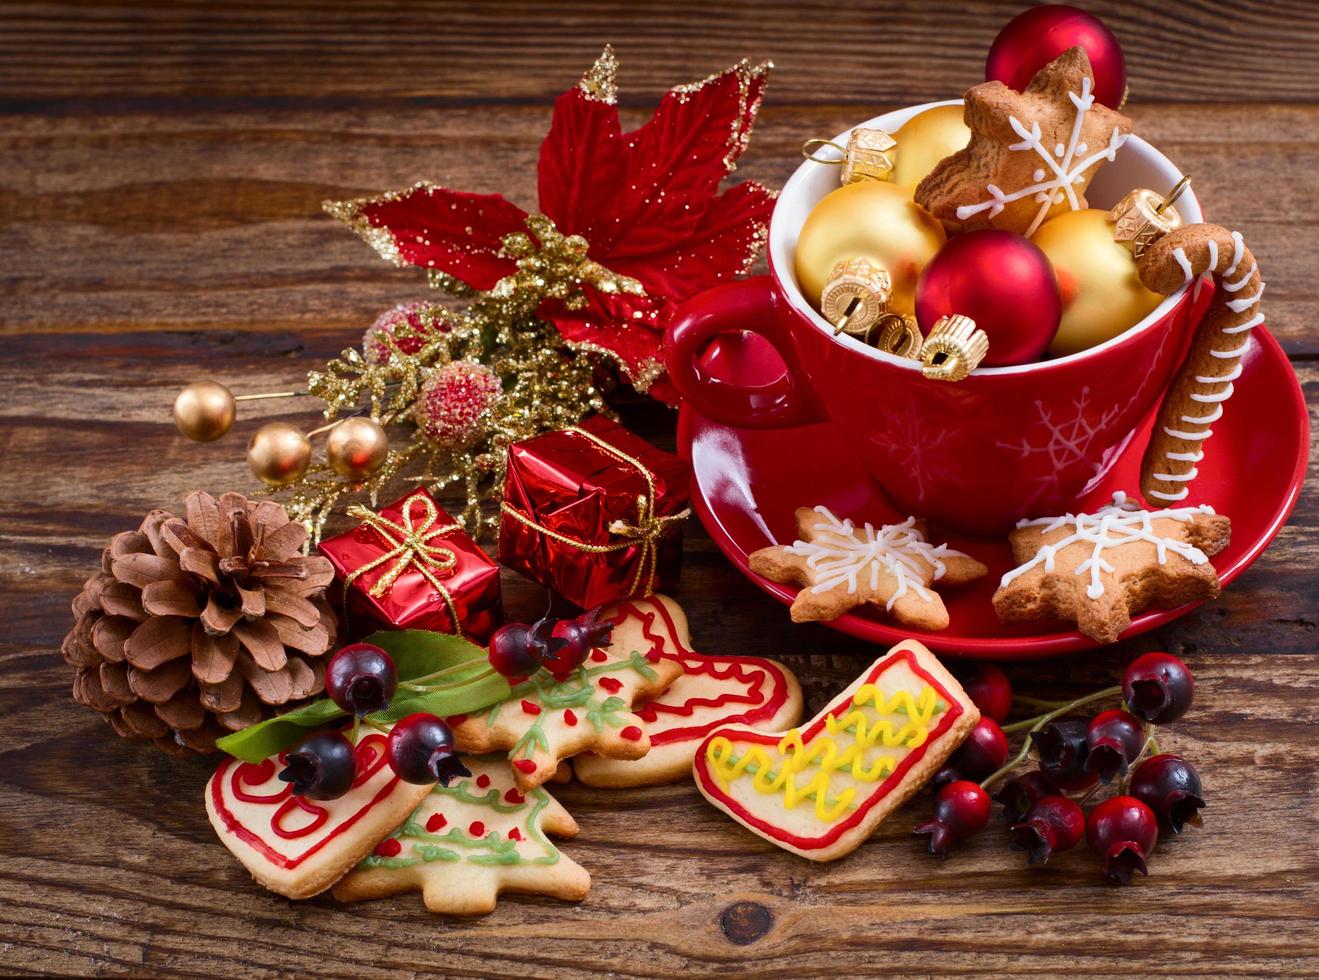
(751, 305)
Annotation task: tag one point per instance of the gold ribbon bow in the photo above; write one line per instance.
(645, 531)
(410, 547)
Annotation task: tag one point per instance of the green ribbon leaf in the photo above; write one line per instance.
(264, 739)
(417, 654)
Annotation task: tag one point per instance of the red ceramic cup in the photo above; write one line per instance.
(975, 455)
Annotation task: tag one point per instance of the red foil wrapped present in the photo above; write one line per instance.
(409, 566)
(594, 512)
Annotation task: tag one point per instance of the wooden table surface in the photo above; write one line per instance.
(162, 166)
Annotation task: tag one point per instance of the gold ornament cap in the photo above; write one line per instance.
(855, 295)
(898, 335)
(954, 348)
(866, 156)
(1144, 216)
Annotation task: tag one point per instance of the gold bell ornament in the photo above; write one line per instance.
(954, 348)
(875, 221)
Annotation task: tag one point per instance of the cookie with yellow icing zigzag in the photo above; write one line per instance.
(469, 842)
(821, 789)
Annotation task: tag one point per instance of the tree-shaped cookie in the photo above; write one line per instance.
(822, 789)
(841, 566)
(1031, 154)
(712, 691)
(299, 846)
(470, 841)
(545, 720)
(1097, 569)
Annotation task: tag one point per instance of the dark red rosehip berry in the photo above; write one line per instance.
(361, 679)
(515, 650)
(1122, 831)
(569, 641)
(1114, 739)
(421, 750)
(1020, 793)
(1170, 786)
(988, 688)
(1158, 688)
(1062, 748)
(984, 751)
(1053, 825)
(946, 774)
(961, 810)
(321, 767)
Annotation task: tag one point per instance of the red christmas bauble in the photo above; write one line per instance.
(1004, 283)
(1035, 37)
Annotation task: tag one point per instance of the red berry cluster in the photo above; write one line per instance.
(518, 650)
(361, 679)
(1045, 808)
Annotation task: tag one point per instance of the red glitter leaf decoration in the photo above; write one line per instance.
(437, 228)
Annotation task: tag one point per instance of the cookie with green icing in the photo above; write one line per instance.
(470, 841)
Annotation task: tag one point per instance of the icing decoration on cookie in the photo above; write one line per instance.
(1031, 154)
(1097, 568)
(821, 789)
(468, 842)
(841, 566)
(544, 720)
(711, 692)
(1206, 379)
(297, 846)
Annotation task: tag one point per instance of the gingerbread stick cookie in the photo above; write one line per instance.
(1204, 384)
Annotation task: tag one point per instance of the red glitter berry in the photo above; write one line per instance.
(454, 402)
(409, 324)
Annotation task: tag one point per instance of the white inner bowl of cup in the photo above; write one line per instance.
(1137, 164)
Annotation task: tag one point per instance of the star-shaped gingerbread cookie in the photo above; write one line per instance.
(1031, 154)
(1097, 569)
(470, 841)
(841, 566)
(545, 720)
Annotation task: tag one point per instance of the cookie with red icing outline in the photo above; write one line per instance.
(471, 841)
(544, 720)
(300, 847)
(711, 692)
(821, 789)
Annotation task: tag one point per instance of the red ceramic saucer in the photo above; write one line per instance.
(746, 485)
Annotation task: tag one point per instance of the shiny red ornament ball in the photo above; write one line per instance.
(1035, 37)
(1004, 283)
(408, 324)
(454, 401)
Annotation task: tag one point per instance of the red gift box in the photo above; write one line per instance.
(409, 566)
(594, 512)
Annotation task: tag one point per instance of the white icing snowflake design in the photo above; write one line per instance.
(1065, 443)
(1114, 525)
(840, 552)
(1061, 170)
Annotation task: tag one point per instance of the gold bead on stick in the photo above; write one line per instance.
(954, 348)
(1144, 216)
(897, 334)
(356, 447)
(866, 156)
(855, 296)
(278, 453)
(204, 411)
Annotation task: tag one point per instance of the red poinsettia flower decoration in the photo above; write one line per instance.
(647, 202)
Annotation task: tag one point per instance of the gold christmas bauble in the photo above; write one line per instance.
(1097, 277)
(924, 140)
(873, 220)
(278, 453)
(204, 411)
(356, 447)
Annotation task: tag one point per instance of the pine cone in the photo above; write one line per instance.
(195, 628)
